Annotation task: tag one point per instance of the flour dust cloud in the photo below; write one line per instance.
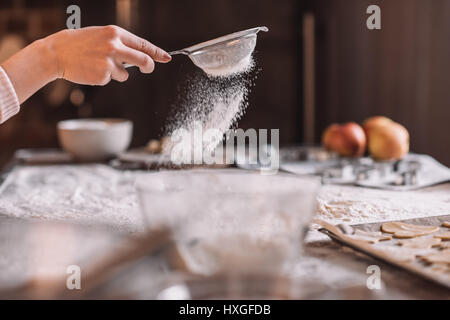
(215, 100)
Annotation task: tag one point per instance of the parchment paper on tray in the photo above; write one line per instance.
(422, 170)
(413, 172)
(389, 251)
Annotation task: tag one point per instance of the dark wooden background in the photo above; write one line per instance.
(147, 99)
(401, 71)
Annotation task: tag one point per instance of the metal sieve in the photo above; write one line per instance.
(223, 53)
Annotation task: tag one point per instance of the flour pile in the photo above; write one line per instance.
(213, 101)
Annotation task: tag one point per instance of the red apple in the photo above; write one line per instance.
(347, 140)
(389, 141)
(329, 136)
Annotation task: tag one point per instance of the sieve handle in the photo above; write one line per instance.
(179, 52)
(127, 65)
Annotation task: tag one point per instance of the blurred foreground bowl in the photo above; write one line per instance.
(95, 139)
(230, 221)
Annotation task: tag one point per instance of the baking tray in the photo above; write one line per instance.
(415, 267)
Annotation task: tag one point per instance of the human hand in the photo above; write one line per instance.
(91, 55)
(95, 55)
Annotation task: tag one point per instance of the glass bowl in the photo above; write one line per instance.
(230, 221)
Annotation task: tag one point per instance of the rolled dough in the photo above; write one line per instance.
(420, 243)
(370, 237)
(404, 230)
(444, 236)
(439, 257)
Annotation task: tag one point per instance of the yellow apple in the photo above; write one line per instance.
(375, 121)
(388, 141)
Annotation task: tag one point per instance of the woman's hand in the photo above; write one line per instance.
(91, 55)
(94, 55)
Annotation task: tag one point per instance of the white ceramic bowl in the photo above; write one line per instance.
(95, 139)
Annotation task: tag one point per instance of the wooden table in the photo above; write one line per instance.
(41, 241)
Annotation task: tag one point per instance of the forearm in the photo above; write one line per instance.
(31, 68)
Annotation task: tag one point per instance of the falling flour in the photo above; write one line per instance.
(215, 100)
(242, 66)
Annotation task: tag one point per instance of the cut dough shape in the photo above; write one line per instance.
(444, 236)
(444, 245)
(404, 230)
(370, 237)
(446, 224)
(420, 243)
(440, 268)
(398, 253)
(439, 257)
(369, 233)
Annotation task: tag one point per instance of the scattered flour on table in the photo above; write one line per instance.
(100, 195)
(355, 205)
(95, 195)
